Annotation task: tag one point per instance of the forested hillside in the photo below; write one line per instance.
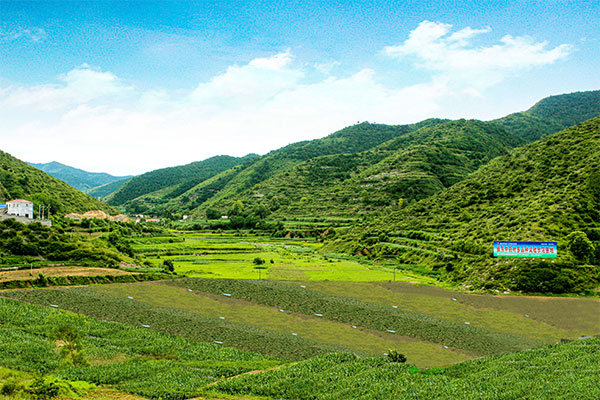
(174, 181)
(552, 114)
(77, 178)
(106, 190)
(20, 180)
(360, 170)
(548, 191)
(409, 167)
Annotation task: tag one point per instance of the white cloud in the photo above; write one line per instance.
(91, 119)
(457, 59)
(77, 86)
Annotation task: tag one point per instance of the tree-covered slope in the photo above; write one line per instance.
(222, 190)
(548, 190)
(78, 178)
(177, 179)
(107, 189)
(552, 114)
(411, 166)
(20, 180)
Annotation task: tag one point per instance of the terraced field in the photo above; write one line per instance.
(297, 320)
(231, 256)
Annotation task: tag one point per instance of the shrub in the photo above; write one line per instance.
(396, 357)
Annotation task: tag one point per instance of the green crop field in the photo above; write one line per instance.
(211, 255)
(565, 371)
(297, 320)
(135, 359)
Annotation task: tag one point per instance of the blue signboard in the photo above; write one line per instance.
(2, 205)
(525, 249)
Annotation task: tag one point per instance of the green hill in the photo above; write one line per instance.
(350, 174)
(410, 167)
(107, 189)
(20, 180)
(552, 114)
(548, 190)
(78, 178)
(174, 181)
(360, 170)
(222, 190)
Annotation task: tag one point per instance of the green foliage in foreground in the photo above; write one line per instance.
(546, 191)
(134, 359)
(20, 180)
(565, 371)
(16, 385)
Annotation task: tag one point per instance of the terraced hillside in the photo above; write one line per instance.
(410, 167)
(173, 181)
(548, 190)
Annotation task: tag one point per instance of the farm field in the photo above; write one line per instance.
(563, 371)
(132, 359)
(297, 320)
(211, 255)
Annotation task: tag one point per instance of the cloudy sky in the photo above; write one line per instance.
(129, 86)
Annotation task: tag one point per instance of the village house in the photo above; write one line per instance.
(20, 208)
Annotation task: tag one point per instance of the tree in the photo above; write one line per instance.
(580, 246)
(67, 330)
(258, 261)
(237, 208)
(169, 266)
(211, 213)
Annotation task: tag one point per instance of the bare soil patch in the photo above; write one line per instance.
(25, 274)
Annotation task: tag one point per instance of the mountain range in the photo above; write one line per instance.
(363, 169)
(78, 178)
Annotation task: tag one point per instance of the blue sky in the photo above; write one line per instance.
(130, 86)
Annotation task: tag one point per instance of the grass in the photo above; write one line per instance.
(223, 255)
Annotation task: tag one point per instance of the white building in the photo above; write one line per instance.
(20, 207)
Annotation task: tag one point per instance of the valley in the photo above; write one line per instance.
(358, 265)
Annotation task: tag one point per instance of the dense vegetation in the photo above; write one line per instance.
(232, 185)
(410, 167)
(20, 180)
(83, 242)
(174, 181)
(565, 371)
(78, 178)
(552, 114)
(105, 190)
(548, 190)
